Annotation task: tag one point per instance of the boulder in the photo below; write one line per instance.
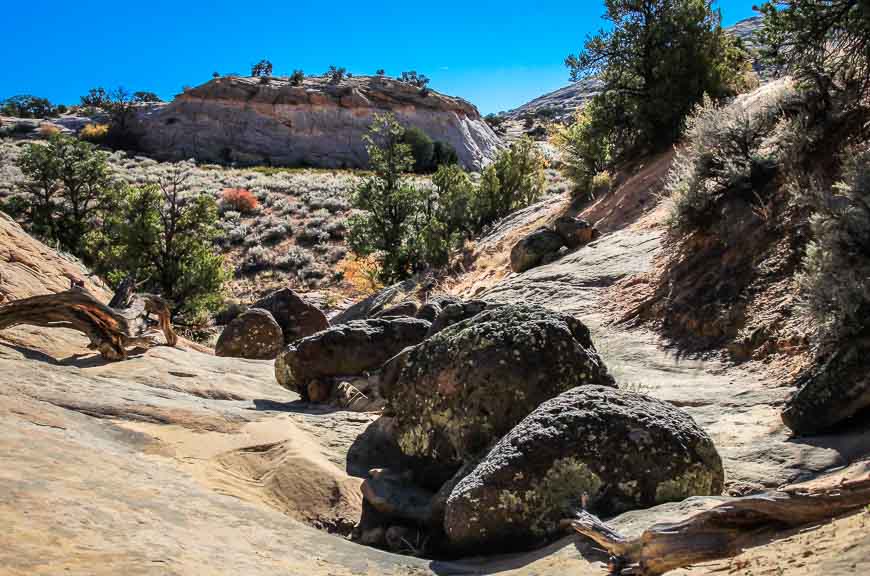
(532, 250)
(429, 311)
(377, 302)
(296, 317)
(831, 391)
(613, 449)
(345, 350)
(408, 308)
(575, 232)
(465, 387)
(455, 312)
(253, 334)
(397, 498)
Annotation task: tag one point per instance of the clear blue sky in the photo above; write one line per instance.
(498, 55)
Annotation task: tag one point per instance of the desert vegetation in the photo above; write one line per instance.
(410, 228)
(649, 85)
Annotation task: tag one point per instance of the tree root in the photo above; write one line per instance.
(111, 330)
(722, 531)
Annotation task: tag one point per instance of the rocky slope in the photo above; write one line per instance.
(177, 461)
(270, 121)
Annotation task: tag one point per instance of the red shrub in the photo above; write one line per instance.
(241, 200)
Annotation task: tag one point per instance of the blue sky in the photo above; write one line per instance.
(498, 55)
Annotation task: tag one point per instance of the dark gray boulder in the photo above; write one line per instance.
(407, 308)
(377, 302)
(534, 249)
(455, 312)
(622, 450)
(346, 350)
(296, 317)
(254, 335)
(831, 391)
(465, 387)
(429, 311)
(575, 232)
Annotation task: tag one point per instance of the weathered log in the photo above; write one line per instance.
(722, 531)
(111, 331)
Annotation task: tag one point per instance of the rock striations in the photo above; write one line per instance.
(270, 121)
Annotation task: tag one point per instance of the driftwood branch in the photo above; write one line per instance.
(722, 531)
(111, 330)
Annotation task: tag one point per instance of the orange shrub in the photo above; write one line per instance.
(47, 130)
(94, 132)
(361, 273)
(240, 200)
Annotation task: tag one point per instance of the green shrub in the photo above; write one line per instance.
(584, 146)
(444, 155)
(727, 149)
(834, 287)
(163, 236)
(656, 60)
(297, 78)
(601, 183)
(415, 79)
(514, 180)
(825, 45)
(143, 97)
(335, 75)
(422, 149)
(27, 106)
(67, 181)
(262, 69)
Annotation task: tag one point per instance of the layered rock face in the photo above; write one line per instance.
(249, 121)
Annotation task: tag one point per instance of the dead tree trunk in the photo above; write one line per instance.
(111, 331)
(722, 531)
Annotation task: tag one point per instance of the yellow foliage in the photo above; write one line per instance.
(361, 273)
(94, 132)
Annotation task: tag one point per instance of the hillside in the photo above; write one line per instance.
(179, 461)
(270, 121)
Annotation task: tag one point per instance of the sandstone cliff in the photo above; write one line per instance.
(270, 121)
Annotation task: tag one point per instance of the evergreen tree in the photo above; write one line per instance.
(825, 44)
(657, 60)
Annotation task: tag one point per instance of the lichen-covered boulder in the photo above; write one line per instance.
(831, 391)
(296, 317)
(534, 249)
(622, 450)
(346, 350)
(465, 387)
(575, 232)
(253, 334)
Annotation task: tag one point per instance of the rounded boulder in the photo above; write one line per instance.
(535, 249)
(466, 386)
(296, 317)
(610, 449)
(254, 335)
(346, 350)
